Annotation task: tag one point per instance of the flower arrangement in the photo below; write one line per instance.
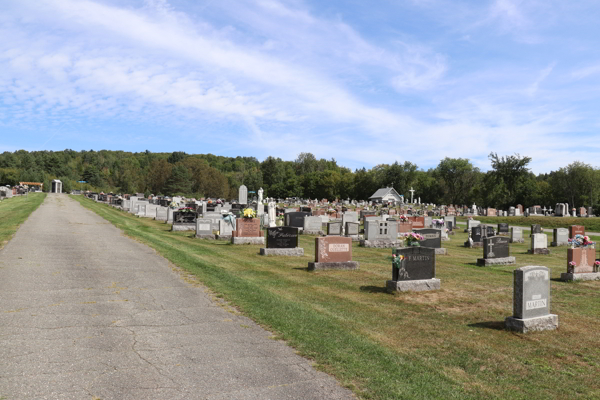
(403, 218)
(249, 213)
(413, 239)
(438, 221)
(581, 241)
(596, 266)
(572, 263)
(397, 260)
(186, 210)
(279, 215)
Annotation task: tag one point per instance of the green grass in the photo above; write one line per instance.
(591, 224)
(446, 344)
(15, 210)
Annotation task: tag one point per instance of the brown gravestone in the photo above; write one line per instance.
(247, 227)
(333, 252)
(584, 259)
(576, 230)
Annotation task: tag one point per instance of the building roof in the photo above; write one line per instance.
(381, 193)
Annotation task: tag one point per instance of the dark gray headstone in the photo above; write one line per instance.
(532, 292)
(536, 228)
(432, 237)
(476, 234)
(503, 228)
(295, 219)
(418, 263)
(495, 247)
(282, 237)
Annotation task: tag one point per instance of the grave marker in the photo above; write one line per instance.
(282, 241)
(560, 237)
(413, 270)
(496, 251)
(539, 244)
(333, 252)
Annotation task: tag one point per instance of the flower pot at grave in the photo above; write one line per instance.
(415, 244)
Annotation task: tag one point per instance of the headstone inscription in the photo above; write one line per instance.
(282, 241)
(413, 269)
(516, 235)
(496, 251)
(531, 301)
(560, 237)
(333, 252)
(539, 244)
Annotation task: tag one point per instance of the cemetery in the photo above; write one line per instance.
(330, 259)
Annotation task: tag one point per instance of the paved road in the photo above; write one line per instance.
(528, 228)
(86, 313)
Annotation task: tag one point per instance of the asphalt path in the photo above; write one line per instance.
(87, 313)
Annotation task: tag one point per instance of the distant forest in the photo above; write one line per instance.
(453, 181)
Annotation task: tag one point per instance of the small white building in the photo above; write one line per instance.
(56, 186)
(386, 195)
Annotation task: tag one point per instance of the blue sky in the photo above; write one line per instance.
(362, 82)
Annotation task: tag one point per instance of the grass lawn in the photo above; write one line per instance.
(446, 344)
(15, 210)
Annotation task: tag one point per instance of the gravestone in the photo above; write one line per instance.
(334, 228)
(496, 251)
(560, 237)
(417, 222)
(225, 230)
(349, 216)
(503, 229)
(381, 234)
(475, 237)
(243, 195)
(472, 223)
(539, 244)
(511, 211)
(488, 231)
(405, 227)
(581, 265)
(576, 230)
(531, 301)
(535, 228)
(247, 231)
(333, 252)
(312, 226)
(415, 271)
(432, 238)
(516, 235)
(351, 230)
(204, 228)
(296, 218)
(184, 221)
(451, 219)
(282, 241)
(161, 214)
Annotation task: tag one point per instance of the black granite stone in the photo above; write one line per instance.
(433, 237)
(496, 247)
(476, 234)
(282, 237)
(296, 219)
(418, 263)
(503, 228)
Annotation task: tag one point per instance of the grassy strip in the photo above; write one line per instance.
(15, 210)
(591, 224)
(437, 345)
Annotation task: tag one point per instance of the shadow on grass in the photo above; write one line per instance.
(374, 289)
(496, 325)
(302, 269)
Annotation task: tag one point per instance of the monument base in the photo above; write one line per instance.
(381, 244)
(183, 227)
(413, 286)
(442, 251)
(248, 240)
(206, 236)
(486, 262)
(585, 276)
(545, 323)
(517, 240)
(307, 232)
(293, 252)
(224, 237)
(320, 266)
(554, 244)
(538, 251)
(355, 238)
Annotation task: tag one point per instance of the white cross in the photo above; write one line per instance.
(412, 192)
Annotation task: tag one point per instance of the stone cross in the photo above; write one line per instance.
(412, 192)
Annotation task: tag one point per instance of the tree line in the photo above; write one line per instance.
(452, 181)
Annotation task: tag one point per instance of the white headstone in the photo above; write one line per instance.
(243, 195)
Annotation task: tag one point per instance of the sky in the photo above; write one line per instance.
(361, 82)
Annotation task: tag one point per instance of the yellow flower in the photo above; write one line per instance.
(249, 213)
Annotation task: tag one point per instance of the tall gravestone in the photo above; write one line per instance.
(496, 251)
(414, 271)
(243, 195)
(531, 301)
(282, 241)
